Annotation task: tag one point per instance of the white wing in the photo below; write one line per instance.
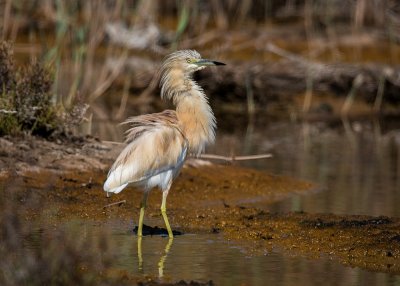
(156, 149)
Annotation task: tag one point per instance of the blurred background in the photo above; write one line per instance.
(314, 82)
(285, 58)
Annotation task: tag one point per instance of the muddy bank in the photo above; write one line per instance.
(61, 181)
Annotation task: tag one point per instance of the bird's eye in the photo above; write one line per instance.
(188, 60)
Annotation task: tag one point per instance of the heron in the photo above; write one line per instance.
(158, 144)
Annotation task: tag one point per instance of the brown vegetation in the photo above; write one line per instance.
(322, 44)
(26, 100)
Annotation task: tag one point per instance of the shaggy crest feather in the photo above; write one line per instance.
(173, 75)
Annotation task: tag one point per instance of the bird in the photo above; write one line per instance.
(158, 144)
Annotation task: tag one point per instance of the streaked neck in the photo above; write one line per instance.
(197, 120)
(194, 113)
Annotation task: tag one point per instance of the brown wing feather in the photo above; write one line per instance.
(155, 144)
(146, 122)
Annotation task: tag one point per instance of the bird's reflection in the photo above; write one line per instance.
(139, 251)
(162, 258)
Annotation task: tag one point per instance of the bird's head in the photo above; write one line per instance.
(188, 61)
(176, 73)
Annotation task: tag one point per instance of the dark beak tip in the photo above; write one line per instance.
(219, 63)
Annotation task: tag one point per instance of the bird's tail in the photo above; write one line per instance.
(114, 190)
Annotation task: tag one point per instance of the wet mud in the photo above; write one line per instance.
(58, 181)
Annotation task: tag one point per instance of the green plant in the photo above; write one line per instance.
(26, 100)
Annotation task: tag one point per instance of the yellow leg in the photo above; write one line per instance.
(164, 213)
(141, 216)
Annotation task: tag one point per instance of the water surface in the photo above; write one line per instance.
(204, 257)
(355, 163)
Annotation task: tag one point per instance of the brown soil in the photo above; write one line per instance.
(66, 179)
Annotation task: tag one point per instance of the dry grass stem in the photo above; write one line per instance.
(235, 158)
(119, 203)
(112, 76)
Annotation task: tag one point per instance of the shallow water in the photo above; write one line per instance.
(355, 163)
(204, 257)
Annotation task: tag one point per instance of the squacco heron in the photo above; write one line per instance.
(158, 143)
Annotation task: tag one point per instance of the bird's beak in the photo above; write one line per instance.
(205, 62)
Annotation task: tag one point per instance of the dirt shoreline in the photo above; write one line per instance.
(67, 179)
